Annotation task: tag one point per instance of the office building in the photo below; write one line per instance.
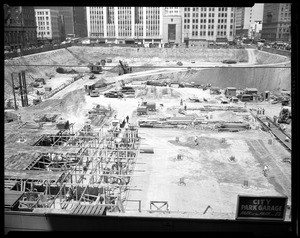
(247, 19)
(208, 23)
(48, 22)
(74, 20)
(19, 27)
(125, 24)
(276, 24)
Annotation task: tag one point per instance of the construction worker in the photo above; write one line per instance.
(265, 170)
(196, 140)
(19, 118)
(185, 107)
(127, 118)
(181, 102)
(263, 111)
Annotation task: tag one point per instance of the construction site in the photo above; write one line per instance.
(116, 131)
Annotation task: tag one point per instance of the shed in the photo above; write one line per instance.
(251, 91)
(151, 106)
(230, 92)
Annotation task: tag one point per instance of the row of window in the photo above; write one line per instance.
(206, 8)
(41, 13)
(42, 18)
(42, 33)
(43, 28)
(40, 23)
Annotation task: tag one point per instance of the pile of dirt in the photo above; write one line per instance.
(157, 93)
(227, 116)
(69, 107)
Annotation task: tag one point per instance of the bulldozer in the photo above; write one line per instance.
(124, 68)
(285, 115)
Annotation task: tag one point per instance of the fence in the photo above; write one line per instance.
(277, 51)
(37, 50)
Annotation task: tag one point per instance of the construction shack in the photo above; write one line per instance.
(215, 90)
(230, 92)
(89, 87)
(251, 91)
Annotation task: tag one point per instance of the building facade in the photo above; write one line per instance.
(276, 24)
(19, 27)
(172, 25)
(247, 18)
(208, 23)
(125, 24)
(74, 20)
(48, 25)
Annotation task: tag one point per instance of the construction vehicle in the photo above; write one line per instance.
(92, 76)
(151, 106)
(127, 90)
(95, 68)
(40, 80)
(156, 83)
(142, 110)
(285, 115)
(94, 93)
(124, 68)
(215, 90)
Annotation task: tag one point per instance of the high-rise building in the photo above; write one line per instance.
(276, 22)
(19, 26)
(48, 22)
(125, 24)
(208, 23)
(74, 19)
(247, 18)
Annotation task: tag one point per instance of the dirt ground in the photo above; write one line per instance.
(208, 177)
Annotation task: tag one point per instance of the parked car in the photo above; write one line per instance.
(113, 94)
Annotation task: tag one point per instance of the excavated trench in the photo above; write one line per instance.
(269, 78)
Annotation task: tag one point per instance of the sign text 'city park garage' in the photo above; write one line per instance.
(249, 207)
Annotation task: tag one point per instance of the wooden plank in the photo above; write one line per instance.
(75, 210)
(80, 209)
(98, 211)
(85, 208)
(89, 209)
(94, 208)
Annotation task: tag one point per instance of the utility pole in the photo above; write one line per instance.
(21, 89)
(13, 88)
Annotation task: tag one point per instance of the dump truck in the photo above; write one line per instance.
(124, 68)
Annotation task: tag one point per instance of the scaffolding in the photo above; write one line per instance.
(98, 174)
